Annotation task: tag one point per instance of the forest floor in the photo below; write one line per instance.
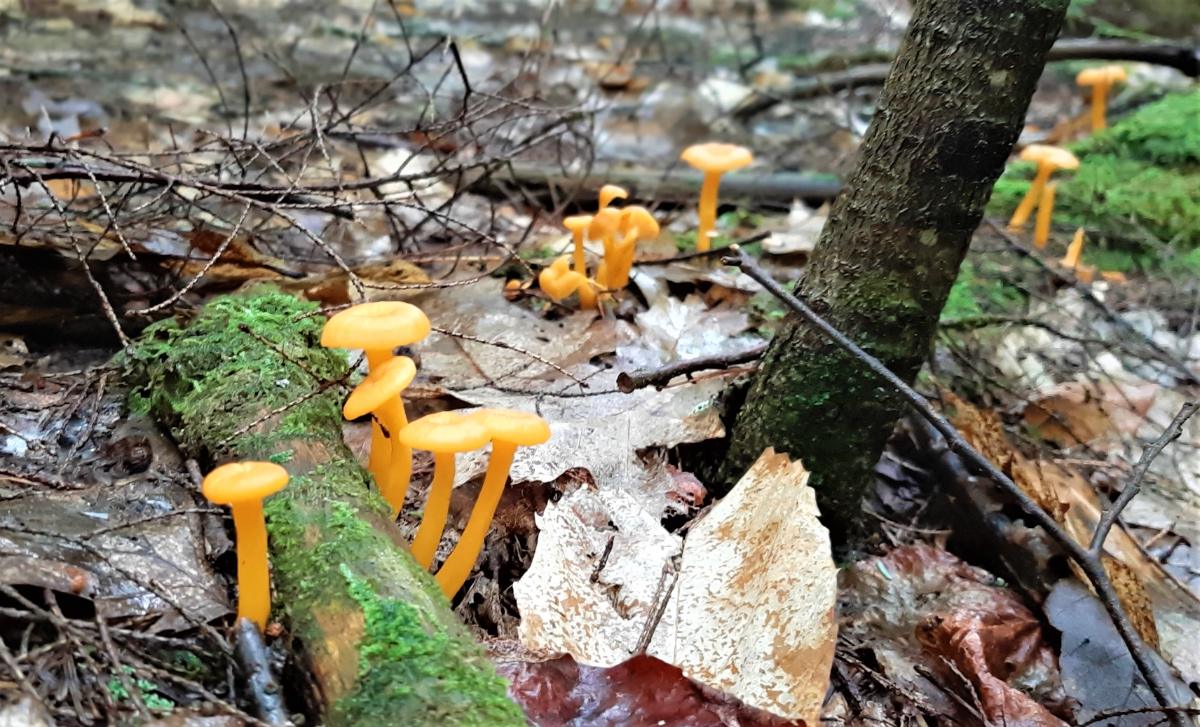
(428, 154)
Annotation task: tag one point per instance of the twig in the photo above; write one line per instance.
(1134, 485)
(510, 347)
(255, 660)
(757, 237)
(627, 382)
(1089, 562)
(662, 597)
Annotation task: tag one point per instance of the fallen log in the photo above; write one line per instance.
(246, 380)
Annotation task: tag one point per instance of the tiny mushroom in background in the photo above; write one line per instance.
(508, 430)
(713, 159)
(1101, 80)
(1048, 159)
(445, 434)
(1041, 226)
(376, 328)
(558, 281)
(636, 224)
(610, 192)
(242, 486)
(1072, 260)
(379, 394)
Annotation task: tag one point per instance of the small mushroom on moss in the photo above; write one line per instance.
(1101, 80)
(1048, 159)
(379, 394)
(508, 430)
(713, 159)
(445, 434)
(243, 486)
(377, 328)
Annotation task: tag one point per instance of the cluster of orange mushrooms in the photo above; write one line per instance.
(378, 329)
(621, 229)
(1050, 159)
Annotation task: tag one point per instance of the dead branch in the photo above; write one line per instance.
(658, 378)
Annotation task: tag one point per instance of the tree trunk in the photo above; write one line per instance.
(947, 119)
(247, 380)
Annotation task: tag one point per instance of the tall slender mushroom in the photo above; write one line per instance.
(1101, 80)
(377, 328)
(578, 225)
(243, 486)
(508, 430)
(379, 394)
(636, 224)
(445, 434)
(604, 227)
(1041, 226)
(1048, 159)
(713, 159)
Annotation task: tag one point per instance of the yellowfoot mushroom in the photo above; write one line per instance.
(243, 486)
(1070, 261)
(445, 434)
(604, 227)
(636, 224)
(713, 159)
(379, 394)
(558, 281)
(508, 430)
(376, 328)
(1041, 226)
(1048, 159)
(610, 192)
(1101, 80)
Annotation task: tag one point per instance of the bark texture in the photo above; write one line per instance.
(246, 379)
(948, 117)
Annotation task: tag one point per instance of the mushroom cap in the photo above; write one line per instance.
(577, 222)
(238, 482)
(639, 218)
(375, 326)
(517, 427)
(604, 222)
(383, 383)
(609, 192)
(445, 432)
(717, 157)
(1101, 75)
(1052, 155)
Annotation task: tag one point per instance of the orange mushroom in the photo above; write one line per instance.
(377, 328)
(604, 226)
(558, 281)
(636, 223)
(1070, 261)
(508, 430)
(610, 192)
(713, 159)
(243, 486)
(1048, 158)
(1041, 227)
(445, 434)
(1101, 80)
(379, 393)
(578, 225)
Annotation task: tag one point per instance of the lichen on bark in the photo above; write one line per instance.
(947, 118)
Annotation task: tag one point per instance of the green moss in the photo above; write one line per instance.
(1138, 184)
(981, 289)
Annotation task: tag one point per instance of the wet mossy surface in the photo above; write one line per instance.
(247, 378)
(1137, 189)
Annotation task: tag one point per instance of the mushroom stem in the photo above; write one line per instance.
(1074, 251)
(1021, 215)
(254, 578)
(1041, 228)
(461, 560)
(378, 458)
(708, 209)
(623, 260)
(394, 485)
(1099, 106)
(580, 263)
(433, 520)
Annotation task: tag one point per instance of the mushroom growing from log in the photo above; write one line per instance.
(379, 394)
(713, 159)
(508, 430)
(376, 328)
(243, 486)
(1048, 159)
(445, 434)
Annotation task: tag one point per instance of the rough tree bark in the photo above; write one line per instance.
(246, 379)
(948, 116)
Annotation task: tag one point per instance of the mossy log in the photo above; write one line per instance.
(246, 379)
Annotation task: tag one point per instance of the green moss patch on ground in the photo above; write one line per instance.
(1137, 189)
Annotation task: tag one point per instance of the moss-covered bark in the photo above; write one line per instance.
(377, 633)
(948, 116)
